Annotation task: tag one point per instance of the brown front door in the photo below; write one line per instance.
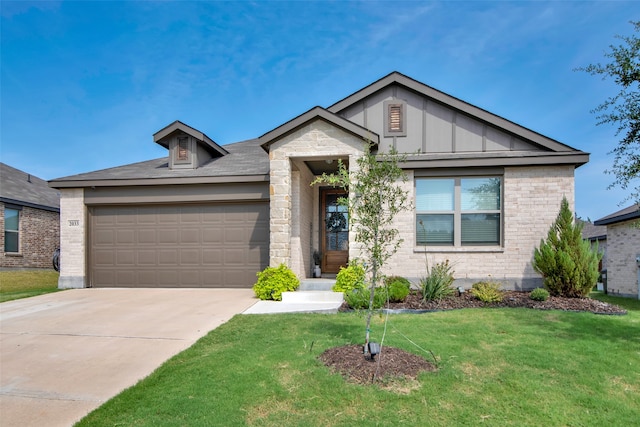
(335, 231)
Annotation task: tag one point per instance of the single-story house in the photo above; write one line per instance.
(623, 251)
(485, 190)
(30, 218)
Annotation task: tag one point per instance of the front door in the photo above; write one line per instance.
(335, 231)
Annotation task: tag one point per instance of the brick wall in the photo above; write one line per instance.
(623, 246)
(39, 238)
(532, 197)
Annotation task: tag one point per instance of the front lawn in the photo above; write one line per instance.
(500, 367)
(15, 284)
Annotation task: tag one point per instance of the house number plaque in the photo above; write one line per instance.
(74, 222)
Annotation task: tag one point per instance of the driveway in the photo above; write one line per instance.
(64, 354)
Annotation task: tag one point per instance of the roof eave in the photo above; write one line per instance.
(620, 218)
(129, 182)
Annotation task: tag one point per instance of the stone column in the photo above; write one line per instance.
(73, 239)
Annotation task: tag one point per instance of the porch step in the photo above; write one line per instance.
(316, 284)
(312, 297)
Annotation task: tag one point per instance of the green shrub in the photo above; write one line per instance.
(358, 299)
(273, 281)
(438, 284)
(349, 278)
(397, 288)
(539, 294)
(567, 263)
(487, 291)
(397, 291)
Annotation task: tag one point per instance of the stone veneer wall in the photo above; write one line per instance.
(302, 221)
(39, 237)
(623, 246)
(531, 202)
(317, 139)
(73, 239)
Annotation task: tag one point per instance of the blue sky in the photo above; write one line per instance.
(84, 85)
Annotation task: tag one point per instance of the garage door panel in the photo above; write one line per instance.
(147, 236)
(126, 236)
(206, 245)
(169, 236)
(147, 257)
(168, 257)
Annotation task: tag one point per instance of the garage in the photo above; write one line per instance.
(206, 245)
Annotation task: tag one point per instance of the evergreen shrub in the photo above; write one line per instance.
(349, 278)
(487, 291)
(567, 263)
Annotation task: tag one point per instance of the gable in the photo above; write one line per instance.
(434, 123)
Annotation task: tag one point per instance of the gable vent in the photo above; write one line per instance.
(395, 118)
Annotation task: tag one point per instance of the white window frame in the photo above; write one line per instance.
(457, 213)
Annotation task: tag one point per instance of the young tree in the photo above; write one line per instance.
(375, 198)
(568, 264)
(623, 109)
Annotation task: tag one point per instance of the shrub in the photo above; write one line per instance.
(391, 279)
(397, 291)
(437, 284)
(539, 294)
(397, 288)
(568, 264)
(487, 291)
(359, 298)
(349, 278)
(273, 281)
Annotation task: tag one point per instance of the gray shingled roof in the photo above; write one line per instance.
(245, 158)
(24, 189)
(626, 214)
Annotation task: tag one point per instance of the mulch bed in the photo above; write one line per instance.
(392, 363)
(511, 299)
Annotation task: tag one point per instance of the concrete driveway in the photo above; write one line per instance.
(64, 354)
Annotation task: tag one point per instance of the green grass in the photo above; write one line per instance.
(498, 367)
(15, 284)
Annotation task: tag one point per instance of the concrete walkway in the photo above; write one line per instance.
(64, 354)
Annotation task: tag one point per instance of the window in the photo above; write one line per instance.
(11, 230)
(458, 211)
(183, 148)
(395, 123)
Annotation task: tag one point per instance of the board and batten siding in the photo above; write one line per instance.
(431, 126)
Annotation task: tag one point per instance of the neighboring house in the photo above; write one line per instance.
(485, 191)
(597, 236)
(30, 218)
(623, 251)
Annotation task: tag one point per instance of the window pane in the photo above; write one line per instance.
(479, 194)
(480, 229)
(434, 194)
(434, 230)
(11, 219)
(10, 241)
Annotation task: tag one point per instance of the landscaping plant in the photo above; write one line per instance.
(568, 264)
(358, 299)
(438, 283)
(539, 294)
(487, 291)
(273, 281)
(349, 278)
(376, 196)
(397, 288)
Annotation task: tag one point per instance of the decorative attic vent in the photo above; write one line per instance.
(395, 118)
(183, 148)
(395, 123)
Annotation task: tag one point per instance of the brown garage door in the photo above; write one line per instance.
(208, 245)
